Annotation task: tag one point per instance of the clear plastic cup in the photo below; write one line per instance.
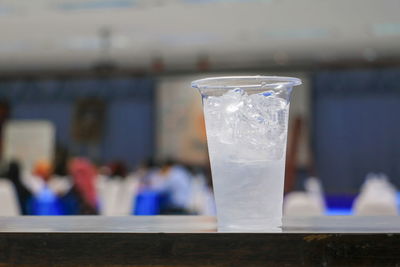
(246, 122)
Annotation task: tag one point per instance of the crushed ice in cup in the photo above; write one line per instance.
(254, 123)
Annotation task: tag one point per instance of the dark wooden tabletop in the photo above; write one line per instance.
(194, 241)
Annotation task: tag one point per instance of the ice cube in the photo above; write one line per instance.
(256, 123)
(231, 108)
(213, 114)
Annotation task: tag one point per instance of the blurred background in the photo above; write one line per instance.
(97, 115)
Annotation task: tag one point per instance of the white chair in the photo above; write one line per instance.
(8, 199)
(197, 197)
(377, 197)
(117, 196)
(108, 197)
(313, 187)
(374, 207)
(126, 200)
(302, 204)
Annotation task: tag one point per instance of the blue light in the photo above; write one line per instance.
(338, 212)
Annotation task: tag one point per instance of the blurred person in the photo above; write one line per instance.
(118, 169)
(36, 178)
(43, 170)
(83, 192)
(44, 176)
(173, 182)
(23, 194)
(60, 161)
(44, 200)
(61, 183)
(145, 172)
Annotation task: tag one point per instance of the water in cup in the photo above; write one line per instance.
(246, 134)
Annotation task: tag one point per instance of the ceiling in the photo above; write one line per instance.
(178, 34)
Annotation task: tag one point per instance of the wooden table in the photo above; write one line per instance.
(193, 241)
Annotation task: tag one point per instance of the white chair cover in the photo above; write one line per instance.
(377, 197)
(8, 199)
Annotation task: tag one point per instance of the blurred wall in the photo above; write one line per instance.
(356, 126)
(180, 122)
(128, 126)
